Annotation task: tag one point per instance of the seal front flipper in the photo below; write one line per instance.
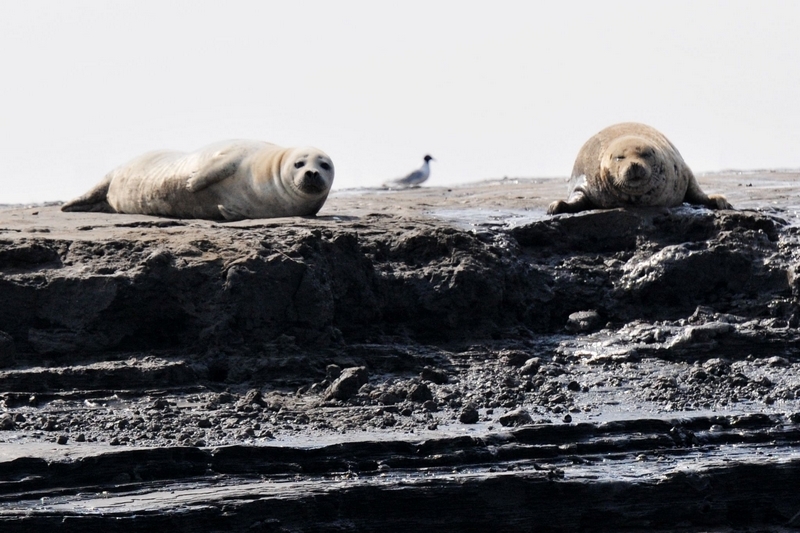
(96, 200)
(222, 165)
(695, 195)
(577, 201)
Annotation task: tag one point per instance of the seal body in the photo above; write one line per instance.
(631, 164)
(231, 180)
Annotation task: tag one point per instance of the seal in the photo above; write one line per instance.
(231, 180)
(631, 164)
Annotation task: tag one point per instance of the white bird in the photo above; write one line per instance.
(415, 179)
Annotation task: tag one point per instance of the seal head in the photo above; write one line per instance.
(631, 166)
(309, 170)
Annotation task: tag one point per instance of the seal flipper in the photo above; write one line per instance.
(222, 166)
(577, 201)
(96, 200)
(695, 195)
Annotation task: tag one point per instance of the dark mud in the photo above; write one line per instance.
(434, 359)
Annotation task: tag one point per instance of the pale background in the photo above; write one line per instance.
(490, 89)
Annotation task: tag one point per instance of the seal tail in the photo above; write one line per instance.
(96, 200)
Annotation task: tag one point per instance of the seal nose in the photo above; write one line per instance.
(312, 182)
(636, 172)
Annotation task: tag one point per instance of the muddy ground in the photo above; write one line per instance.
(447, 359)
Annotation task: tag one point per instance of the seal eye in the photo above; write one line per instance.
(325, 166)
(619, 157)
(299, 164)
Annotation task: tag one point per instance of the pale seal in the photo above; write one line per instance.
(231, 180)
(631, 164)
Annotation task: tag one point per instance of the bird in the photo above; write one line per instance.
(415, 179)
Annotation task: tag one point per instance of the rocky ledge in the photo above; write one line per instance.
(442, 359)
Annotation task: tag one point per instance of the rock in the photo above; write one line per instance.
(584, 321)
(717, 366)
(778, 361)
(332, 372)
(430, 406)
(388, 398)
(516, 417)
(531, 366)
(6, 422)
(252, 397)
(469, 414)
(434, 375)
(514, 357)
(347, 384)
(7, 350)
(710, 331)
(420, 393)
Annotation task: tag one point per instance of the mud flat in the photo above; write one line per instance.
(440, 359)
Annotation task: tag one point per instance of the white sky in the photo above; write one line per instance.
(490, 89)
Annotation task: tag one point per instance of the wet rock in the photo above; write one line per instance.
(160, 404)
(332, 372)
(385, 395)
(514, 357)
(739, 380)
(434, 375)
(7, 350)
(717, 366)
(517, 417)
(778, 361)
(252, 398)
(469, 414)
(430, 406)
(347, 384)
(6, 422)
(225, 397)
(584, 321)
(420, 393)
(593, 231)
(710, 331)
(26, 255)
(698, 374)
(531, 366)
